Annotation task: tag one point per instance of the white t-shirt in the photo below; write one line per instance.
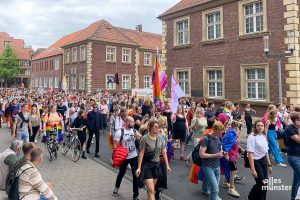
(258, 145)
(128, 142)
(116, 123)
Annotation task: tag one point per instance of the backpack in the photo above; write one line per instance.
(120, 153)
(12, 181)
(196, 155)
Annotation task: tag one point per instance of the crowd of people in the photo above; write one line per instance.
(150, 135)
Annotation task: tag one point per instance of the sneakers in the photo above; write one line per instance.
(115, 192)
(281, 165)
(205, 193)
(238, 178)
(233, 192)
(218, 198)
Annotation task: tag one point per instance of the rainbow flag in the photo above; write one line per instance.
(159, 81)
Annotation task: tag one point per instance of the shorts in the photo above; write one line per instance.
(232, 165)
(152, 170)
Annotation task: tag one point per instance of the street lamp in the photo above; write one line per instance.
(279, 56)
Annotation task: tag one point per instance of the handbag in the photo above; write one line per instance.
(120, 153)
(150, 155)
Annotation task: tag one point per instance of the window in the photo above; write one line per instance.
(41, 82)
(160, 58)
(126, 55)
(67, 57)
(74, 54)
(45, 82)
(252, 16)
(213, 26)
(82, 82)
(255, 82)
(110, 78)
(51, 82)
(68, 82)
(36, 82)
(182, 31)
(56, 64)
(147, 59)
(56, 82)
(82, 53)
(32, 82)
(73, 81)
(126, 82)
(7, 43)
(183, 78)
(214, 82)
(111, 54)
(147, 82)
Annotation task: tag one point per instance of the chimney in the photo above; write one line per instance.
(139, 28)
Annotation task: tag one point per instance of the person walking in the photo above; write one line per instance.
(260, 165)
(210, 152)
(151, 146)
(128, 137)
(35, 122)
(22, 124)
(94, 125)
(293, 150)
(248, 118)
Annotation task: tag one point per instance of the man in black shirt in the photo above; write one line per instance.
(137, 117)
(210, 112)
(62, 109)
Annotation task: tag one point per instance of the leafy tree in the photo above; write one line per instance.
(8, 63)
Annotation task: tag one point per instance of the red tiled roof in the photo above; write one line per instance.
(55, 49)
(144, 39)
(183, 5)
(22, 52)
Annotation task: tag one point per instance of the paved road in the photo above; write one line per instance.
(180, 188)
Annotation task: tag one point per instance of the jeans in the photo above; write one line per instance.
(294, 162)
(257, 192)
(97, 135)
(23, 136)
(273, 146)
(212, 178)
(134, 164)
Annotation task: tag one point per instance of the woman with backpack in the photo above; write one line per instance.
(35, 122)
(260, 164)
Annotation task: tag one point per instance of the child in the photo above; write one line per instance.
(231, 150)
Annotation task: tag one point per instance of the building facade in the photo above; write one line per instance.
(216, 49)
(23, 53)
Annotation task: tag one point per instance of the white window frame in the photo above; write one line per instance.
(56, 82)
(160, 59)
(216, 25)
(82, 54)
(113, 85)
(126, 81)
(215, 81)
(82, 82)
(68, 81)
(242, 17)
(37, 82)
(206, 81)
(188, 82)
(253, 16)
(68, 56)
(45, 82)
(56, 64)
(147, 83)
(74, 55)
(245, 81)
(51, 85)
(126, 56)
(41, 82)
(7, 43)
(185, 31)
(111, 53)
(73, 81)
(32, 82)
(147, 60)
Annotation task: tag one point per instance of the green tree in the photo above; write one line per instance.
(8, 64)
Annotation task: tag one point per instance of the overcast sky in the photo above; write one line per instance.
(41, 22)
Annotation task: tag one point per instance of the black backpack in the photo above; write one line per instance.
(12, 181)
(197, 160)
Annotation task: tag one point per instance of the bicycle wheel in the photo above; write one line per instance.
(76, 149)
(64, 146)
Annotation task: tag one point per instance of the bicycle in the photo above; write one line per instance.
(71, 142)
(52, 143)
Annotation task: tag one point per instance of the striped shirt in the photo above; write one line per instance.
(31, 184)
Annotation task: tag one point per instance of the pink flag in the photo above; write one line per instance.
(176, 93)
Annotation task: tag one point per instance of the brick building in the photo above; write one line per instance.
(215, 49)
(47, 64)
(24, 56)
(102, 50)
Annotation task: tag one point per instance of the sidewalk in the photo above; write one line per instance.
(83, 180)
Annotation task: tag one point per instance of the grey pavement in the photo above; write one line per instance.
(84, 180)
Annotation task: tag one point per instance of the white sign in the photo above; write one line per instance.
(142, 92)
